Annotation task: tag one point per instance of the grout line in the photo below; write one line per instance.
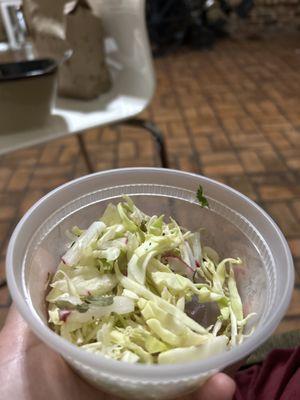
(254, 119)
(256, 123)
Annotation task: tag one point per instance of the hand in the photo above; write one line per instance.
(29, 370)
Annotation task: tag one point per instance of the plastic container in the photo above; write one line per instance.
(27, 94)
(235, 226)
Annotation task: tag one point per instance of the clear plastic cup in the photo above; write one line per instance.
(234, 226)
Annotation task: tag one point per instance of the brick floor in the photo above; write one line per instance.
(231, 113)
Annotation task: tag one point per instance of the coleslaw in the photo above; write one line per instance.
(124, 287)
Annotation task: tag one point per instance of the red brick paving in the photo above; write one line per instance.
(231, 113)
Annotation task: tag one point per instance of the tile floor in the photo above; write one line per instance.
(231, 114)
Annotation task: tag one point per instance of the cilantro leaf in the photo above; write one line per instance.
(201, 198)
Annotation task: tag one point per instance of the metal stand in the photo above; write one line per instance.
(7, 303)
(156, 135)
(85, 154)
(149, 126)
(2, 283)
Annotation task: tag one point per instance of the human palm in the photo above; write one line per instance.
(29, 370)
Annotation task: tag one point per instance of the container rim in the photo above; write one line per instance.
(145, 373)
(21, 70)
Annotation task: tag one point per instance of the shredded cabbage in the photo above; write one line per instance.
(124, 287)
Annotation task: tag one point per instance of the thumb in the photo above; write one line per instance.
(218, 387)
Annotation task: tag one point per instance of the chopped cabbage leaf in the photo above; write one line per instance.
(180, 355)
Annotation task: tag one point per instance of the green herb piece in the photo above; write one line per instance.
(201, 198)
(64, 305)
(143, 226)
(82, 308)
(48, 281)
(100, 300)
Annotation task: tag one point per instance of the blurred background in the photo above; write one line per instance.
(226, 102)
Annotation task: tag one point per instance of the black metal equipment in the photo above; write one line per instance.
(197, 23)
(149, 126)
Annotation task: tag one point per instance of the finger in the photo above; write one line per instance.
(15, 335)
(218, 387)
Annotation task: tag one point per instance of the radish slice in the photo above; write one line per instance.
(196, 247)
(63, 315)
(179, 266)
(191, 257)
